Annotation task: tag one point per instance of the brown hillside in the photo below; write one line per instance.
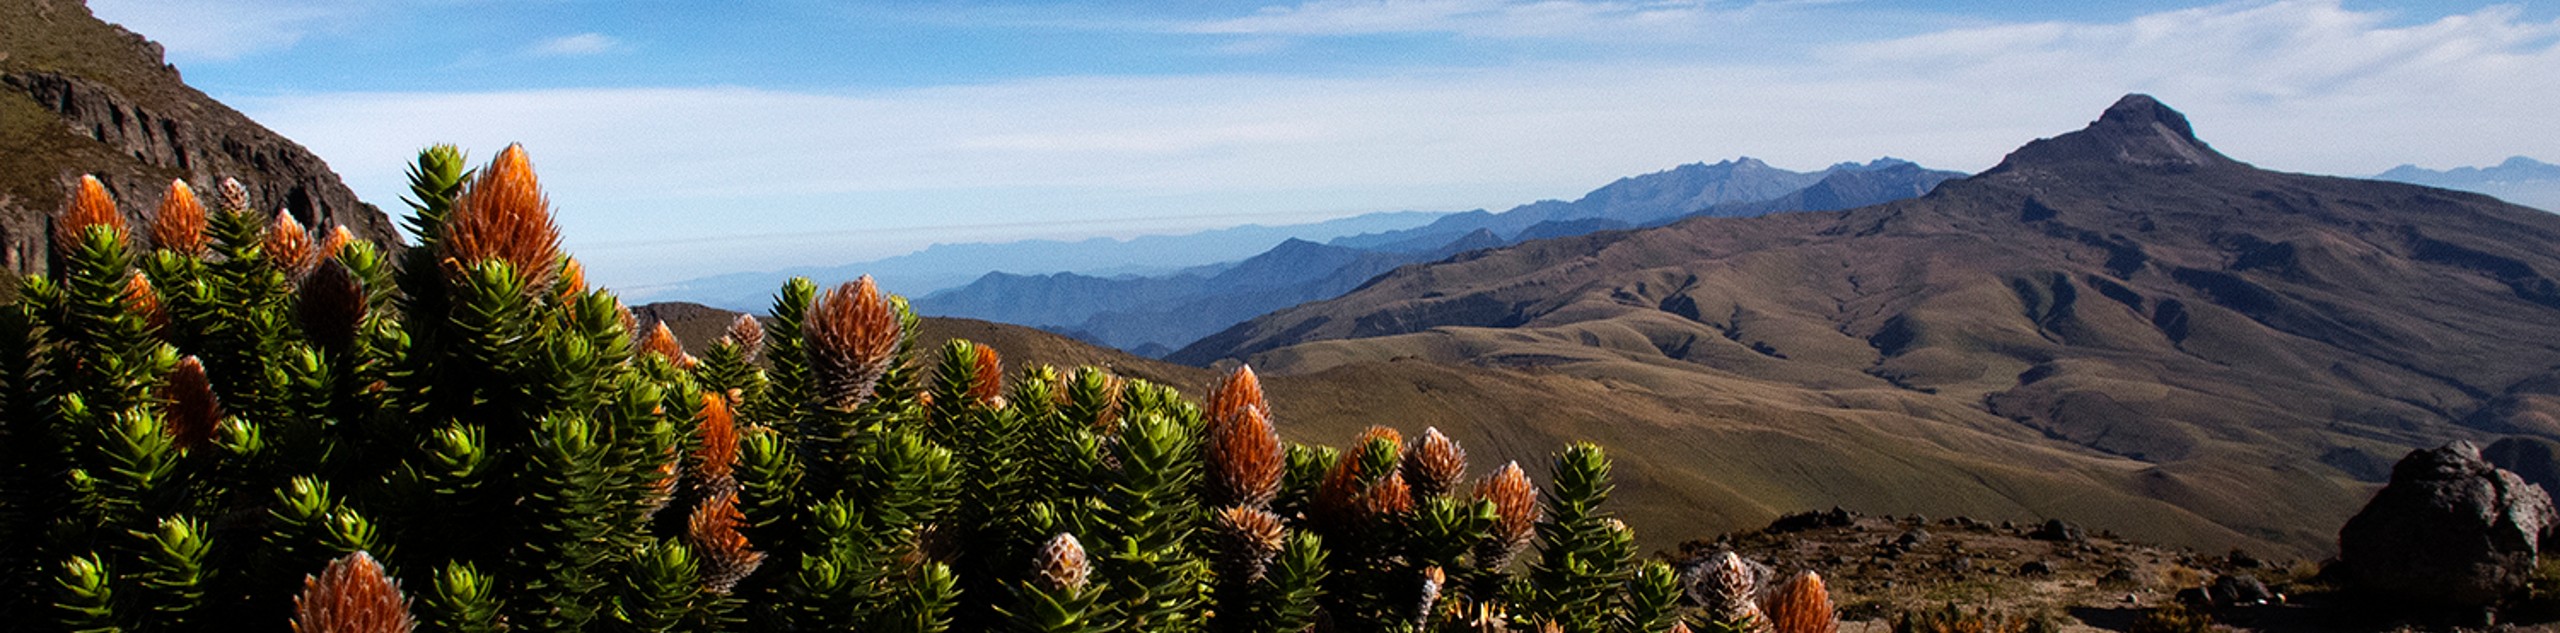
(1677, 480)
(81, 96)
(2117, 326)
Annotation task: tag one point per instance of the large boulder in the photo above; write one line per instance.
(2449, 530)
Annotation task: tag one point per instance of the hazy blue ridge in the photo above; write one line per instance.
(1153, 315)
(944, 266)
(2519, 180)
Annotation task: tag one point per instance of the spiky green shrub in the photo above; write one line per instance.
(248, 423)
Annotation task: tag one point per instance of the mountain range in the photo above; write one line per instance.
(2118, 325)
(2519, 180)
(1152, 315)
(944, 266)
(79, 96)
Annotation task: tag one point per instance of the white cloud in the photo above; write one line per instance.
(2304, 86)
(223, 29)
(580, 45)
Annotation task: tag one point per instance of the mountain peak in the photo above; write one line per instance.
(2137, 131)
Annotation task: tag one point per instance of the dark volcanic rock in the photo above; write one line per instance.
(80, 96)
(2535, 459)
(2059, 530)
(2240, 590)
(2450, 529)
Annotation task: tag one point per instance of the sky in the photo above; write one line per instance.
(684, 139)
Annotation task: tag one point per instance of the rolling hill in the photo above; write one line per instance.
(2118, 326)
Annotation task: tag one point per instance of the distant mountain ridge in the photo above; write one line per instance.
(1723, 188)
(944, 266)
(2119, 326)
(1156, 314)
(2520, 180)
(79, 96)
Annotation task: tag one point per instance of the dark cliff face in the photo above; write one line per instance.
(80, 96)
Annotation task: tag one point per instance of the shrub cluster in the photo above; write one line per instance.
(247, 427)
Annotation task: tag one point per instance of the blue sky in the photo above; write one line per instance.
(680, 139)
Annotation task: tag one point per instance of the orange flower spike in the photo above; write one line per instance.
(288, 246)
(1241, 391)
(503, 215)
(1246, 461)
(1376, 431)
(144, 301)
(573, 278)
(712, 531)
(1247, 541)
(352, 595)
(718, 454)
(90, 206)
(1434, 464)
(335, 244)
(852, 335)
(1803, 605)
(1515, 504)
(193, 411)
(986, 380)
(1391, 497)
(179, 226)
(662, 343)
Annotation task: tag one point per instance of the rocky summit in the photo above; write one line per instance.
(79, 96)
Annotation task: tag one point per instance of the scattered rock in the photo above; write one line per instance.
(2059, 530)
(1799, 522)
(2035, 568)
(2241, 590)
(2449, 530)
(1914, 538)
(2243, 560)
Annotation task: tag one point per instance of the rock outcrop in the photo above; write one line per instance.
(2449, 530)
(80, 96)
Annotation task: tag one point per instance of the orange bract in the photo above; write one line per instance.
(1515, 504)
(90, 206)
(144, 301)
(713, 532)
(504, 216)
(179, 226)
(852, 334)
(1434, 464)
(986, 380)
(661, 342)
(1241, 391)
(1802, 605)
(193, 410)
(288, 246)
(718, 454)
(336, 243)
(351, 595)
(1248, 539)
(1245, 459)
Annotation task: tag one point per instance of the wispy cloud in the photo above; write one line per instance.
(2304, 85)
(226, 29)
(1486, 18)
(580, 45)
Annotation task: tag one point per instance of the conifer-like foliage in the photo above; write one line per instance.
(236, 425)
